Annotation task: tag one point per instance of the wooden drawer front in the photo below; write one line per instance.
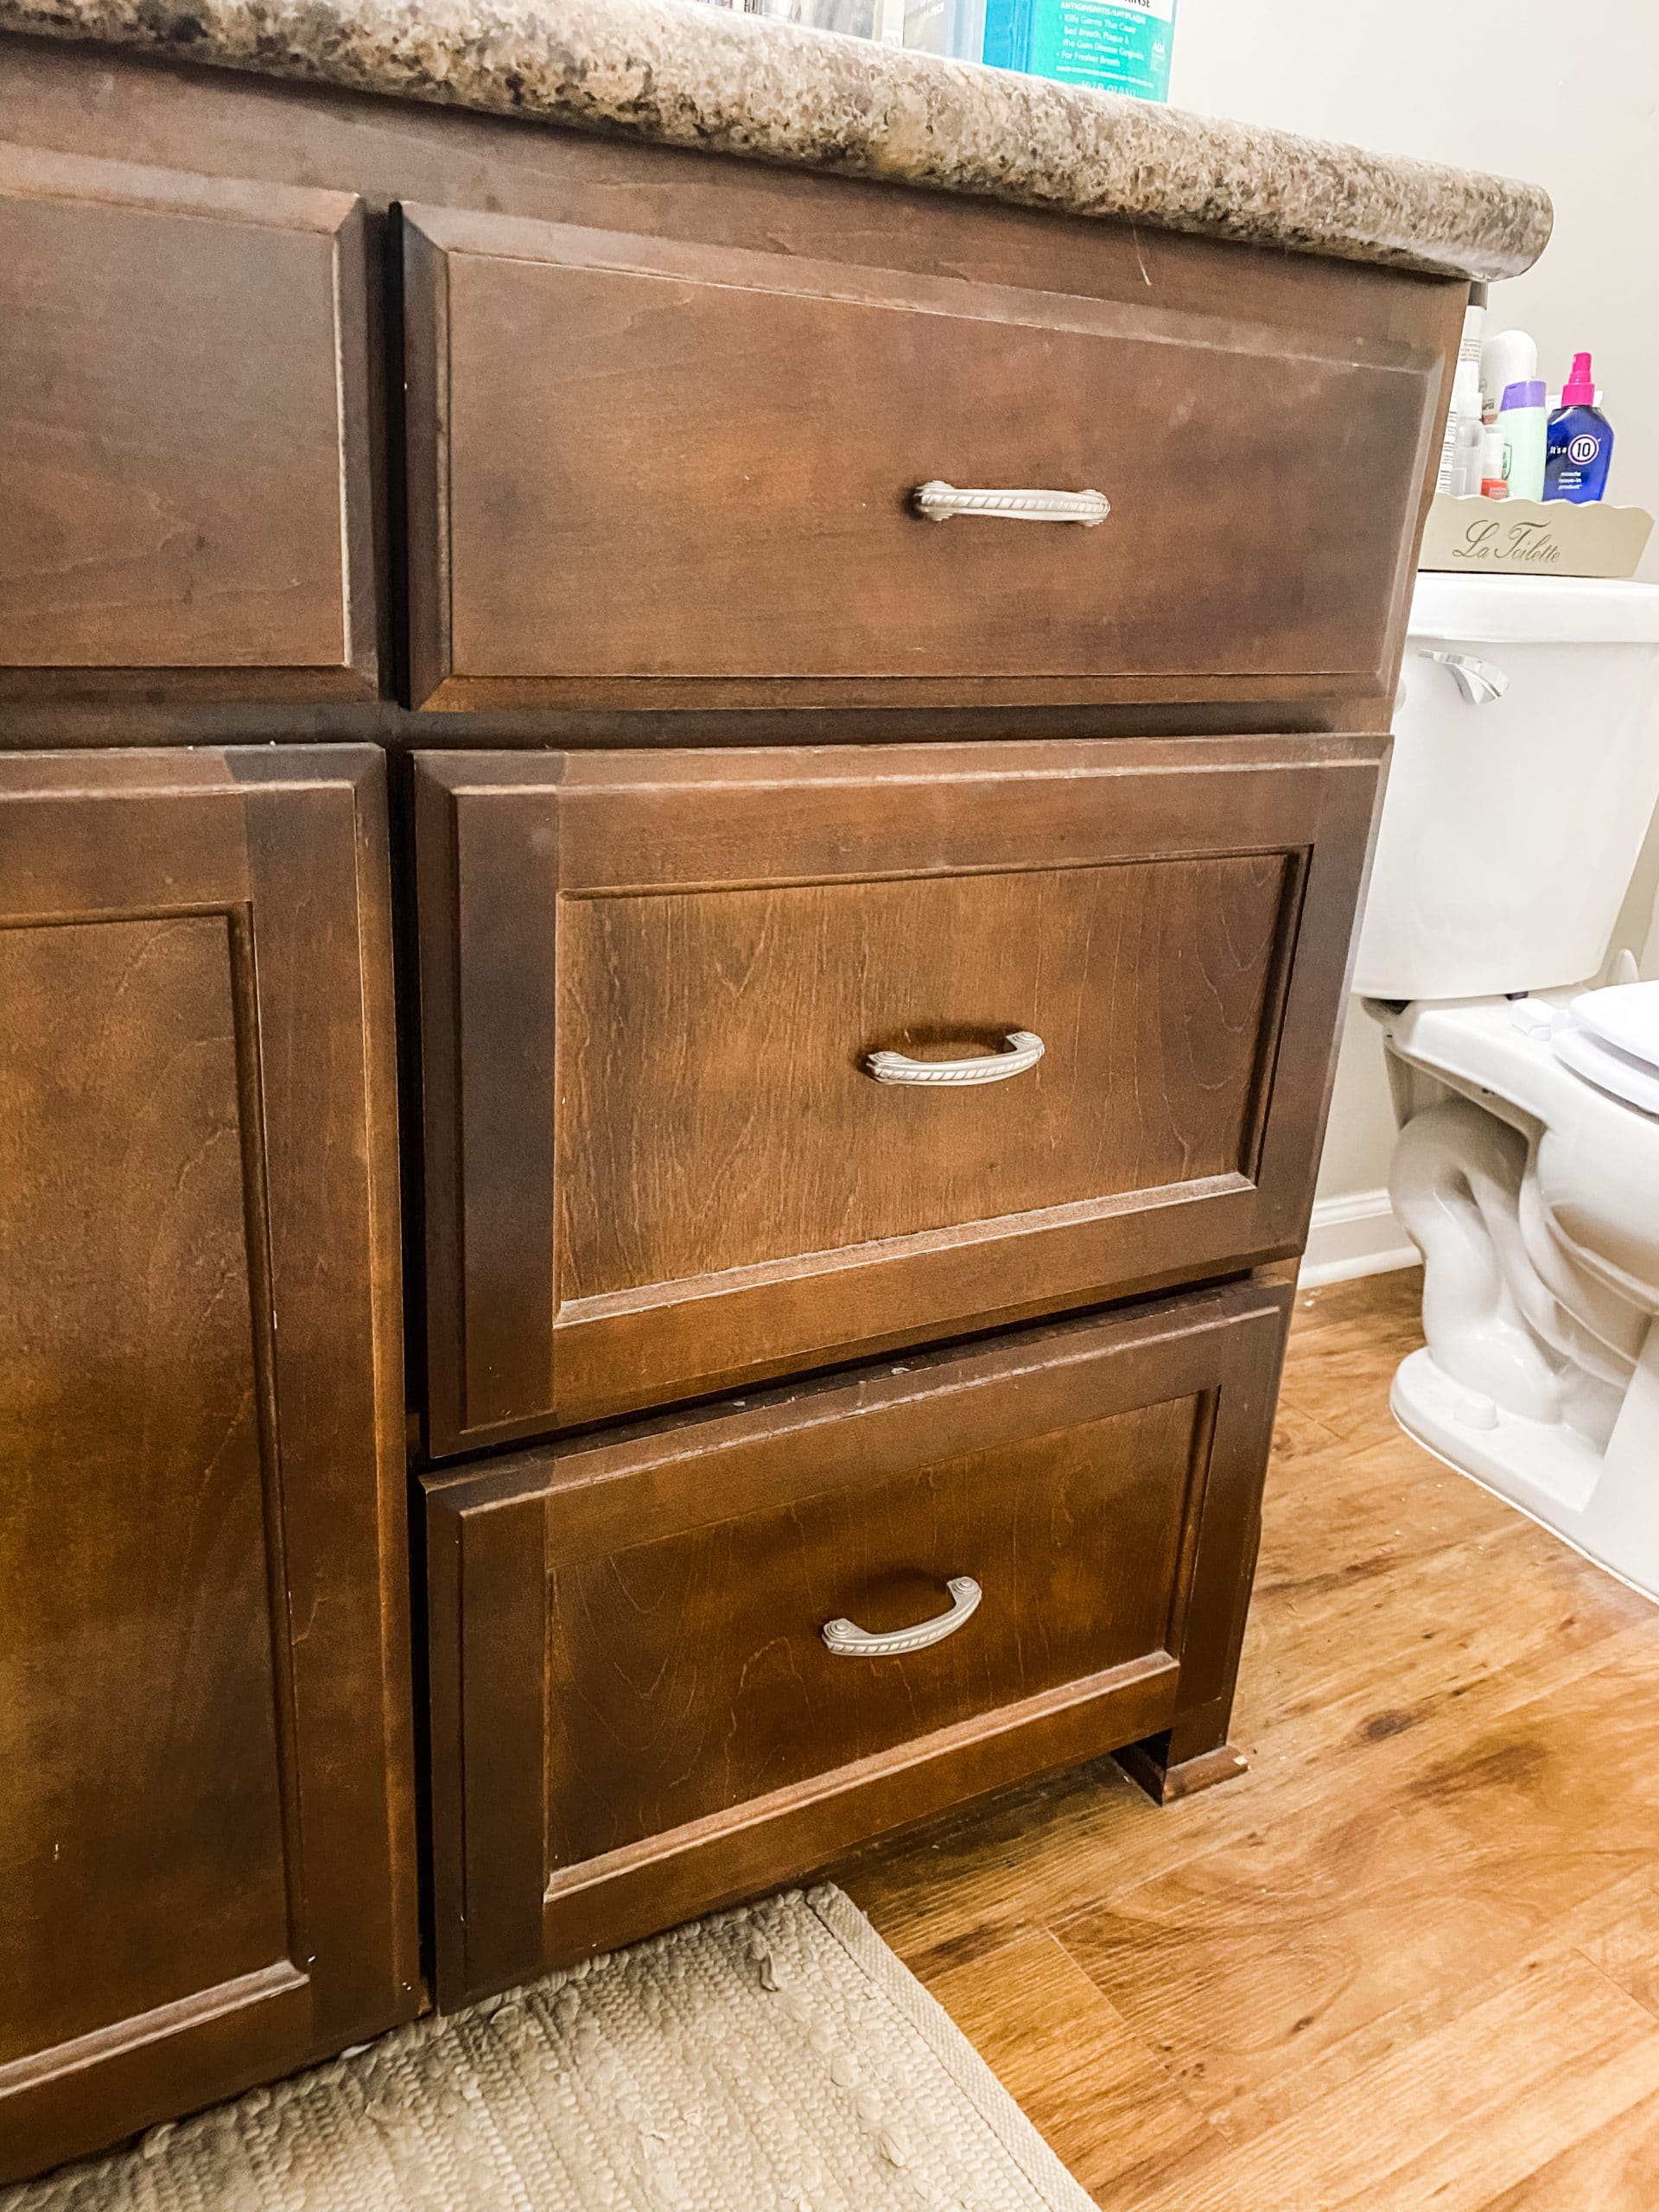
(638, 459)
(656, 1162)
(184, 468)
(635, 1713)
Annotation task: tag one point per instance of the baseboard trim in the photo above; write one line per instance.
(1354, 1233)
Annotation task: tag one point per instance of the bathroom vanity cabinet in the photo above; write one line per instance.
(830, 733)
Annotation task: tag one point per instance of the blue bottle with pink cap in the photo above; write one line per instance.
(1579, 443)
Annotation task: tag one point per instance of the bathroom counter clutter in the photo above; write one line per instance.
(864, 725)
(689, 76)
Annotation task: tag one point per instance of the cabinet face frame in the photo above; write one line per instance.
(302, 256)
(271, 866)
(504, 841)
(497, 1535)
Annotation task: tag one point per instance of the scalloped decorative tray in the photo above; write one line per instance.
(1515, 537)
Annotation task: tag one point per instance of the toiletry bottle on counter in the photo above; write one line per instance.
(1507, 356)
(1466, 460)
(1521, 418)
(1474, 326)
(1493, 451)
(1580, 440)
(1457, 467)
(1461, 452)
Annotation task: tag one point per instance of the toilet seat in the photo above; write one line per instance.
(1625, 1015)
(1611, 1038)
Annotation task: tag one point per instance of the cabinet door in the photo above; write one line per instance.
(206, 1827)
(662, 994)
(184, 436)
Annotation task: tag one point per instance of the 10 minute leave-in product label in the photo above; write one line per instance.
(1116, 46)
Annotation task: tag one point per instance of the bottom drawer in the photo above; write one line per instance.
(679, 1662)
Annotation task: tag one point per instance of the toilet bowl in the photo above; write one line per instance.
(1526, 1172)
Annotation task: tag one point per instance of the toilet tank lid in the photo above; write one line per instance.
(1533, 610)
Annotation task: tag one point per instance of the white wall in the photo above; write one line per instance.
(1567, 97)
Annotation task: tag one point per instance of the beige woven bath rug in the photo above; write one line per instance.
(774, 2059)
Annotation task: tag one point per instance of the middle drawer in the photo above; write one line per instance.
(661, 1155)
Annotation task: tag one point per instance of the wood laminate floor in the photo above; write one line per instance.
(1411, 1960)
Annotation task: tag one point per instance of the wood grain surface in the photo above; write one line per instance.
(625, 519)
(830, 245)
(1412, 1958)
(207, 1832)
(185, 468)
(635, 1714)
(656, 1165)
(720, 1099)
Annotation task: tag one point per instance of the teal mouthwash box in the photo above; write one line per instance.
(1116, 46)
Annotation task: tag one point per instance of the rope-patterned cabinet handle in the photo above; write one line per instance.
(938, 502)
(848, 1640)
(1021, 1049)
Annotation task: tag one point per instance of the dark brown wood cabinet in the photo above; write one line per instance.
(657, 1159)
(205, 1819)
(867, 995)
(185, 469)
(637, 1709)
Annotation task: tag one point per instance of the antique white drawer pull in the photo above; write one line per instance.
(938, 502)
(1024, 1049)
(851, 1642)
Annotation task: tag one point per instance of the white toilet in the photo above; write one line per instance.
(1525, 772)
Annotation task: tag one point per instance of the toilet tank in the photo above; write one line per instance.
(1512, 823)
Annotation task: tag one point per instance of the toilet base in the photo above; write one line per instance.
(1553, 1474)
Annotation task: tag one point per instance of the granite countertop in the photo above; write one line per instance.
(687, 75)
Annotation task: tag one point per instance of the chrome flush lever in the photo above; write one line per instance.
(1479, 681)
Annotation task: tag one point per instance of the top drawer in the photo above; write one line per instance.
(184, 436)
(635, 458)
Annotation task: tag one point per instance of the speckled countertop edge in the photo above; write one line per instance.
(684, 76)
